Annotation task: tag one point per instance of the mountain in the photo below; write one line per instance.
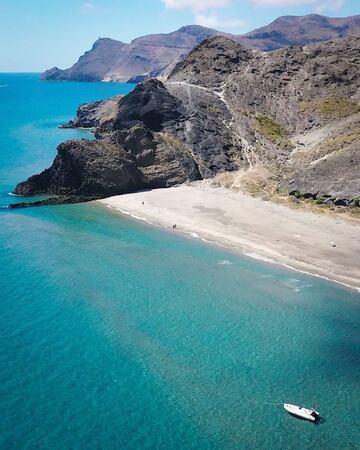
(155, 55)
(301, 30)
(293, 113)
(151, 55)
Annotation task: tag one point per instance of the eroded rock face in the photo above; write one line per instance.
(295, 110)
(224, 108)
(86, 169)
(131, 152)
(93, 114)
(210, 64)
(150, 104)
(334, 178)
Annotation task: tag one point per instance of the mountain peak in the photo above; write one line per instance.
(209, 61)
(157, 54)
(192, 29)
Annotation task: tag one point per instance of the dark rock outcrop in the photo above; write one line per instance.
(334, 178)
(85, 168)
(225, 108)
(211, 67)
(93, 114)
(129, 154)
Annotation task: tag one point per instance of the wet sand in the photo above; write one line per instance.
(320, 245)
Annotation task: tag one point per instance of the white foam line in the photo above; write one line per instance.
(318, 276)
(13, 195)
(267, 260)
(127, 213)
(252, 255)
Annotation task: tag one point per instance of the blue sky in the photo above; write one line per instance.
(38, 34)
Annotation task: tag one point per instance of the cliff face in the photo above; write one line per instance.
(93, 114)
(225, 108)
(296, 110)
(144, 57)
(133, 151)
(93, 65)
(155, 55)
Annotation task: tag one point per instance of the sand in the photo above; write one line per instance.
(325, 246)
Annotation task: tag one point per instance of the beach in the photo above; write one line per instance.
(179, 343)
(325, 246)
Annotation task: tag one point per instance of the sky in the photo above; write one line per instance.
(38, 34)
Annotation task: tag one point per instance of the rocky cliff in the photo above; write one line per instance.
(93, 114)
(225, 108)
(155, 55)
(144, 57)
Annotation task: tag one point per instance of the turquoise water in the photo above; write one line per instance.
(115, 335)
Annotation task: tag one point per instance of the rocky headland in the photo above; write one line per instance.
(225, 109)
(93, 114)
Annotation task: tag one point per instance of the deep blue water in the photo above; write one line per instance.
(115, 335)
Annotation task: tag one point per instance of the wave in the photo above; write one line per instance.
(127, 213)
(224, 262)
(253, 255)
(260, 257)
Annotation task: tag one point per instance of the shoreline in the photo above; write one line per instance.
(325, 247)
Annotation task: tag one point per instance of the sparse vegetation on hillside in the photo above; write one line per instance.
(331, 107)
(343, 140)
(271, 130)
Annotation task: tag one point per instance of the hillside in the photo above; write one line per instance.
(156, 54)
(225, 109)
(301, 30)
(152, 55)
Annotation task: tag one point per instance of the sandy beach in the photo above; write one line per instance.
(320, 245)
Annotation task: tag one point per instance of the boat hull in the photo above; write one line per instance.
(302, 413)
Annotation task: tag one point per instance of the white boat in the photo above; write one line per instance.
(302, 413)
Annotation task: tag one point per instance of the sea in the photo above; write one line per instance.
(119, 335)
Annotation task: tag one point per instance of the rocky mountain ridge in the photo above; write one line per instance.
(156, 55)
(226, 109)
(145, 57)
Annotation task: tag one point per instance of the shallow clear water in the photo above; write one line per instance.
(117, 335)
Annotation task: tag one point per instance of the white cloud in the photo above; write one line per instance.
(205, 12)
(88, 7)
(334, 5)
(208, 12)
(213, 21)
(196, 5)
(320, 6)
(283, 2)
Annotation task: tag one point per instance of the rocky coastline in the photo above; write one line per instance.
(223, 109)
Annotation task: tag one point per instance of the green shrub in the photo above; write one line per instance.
(269, 128)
